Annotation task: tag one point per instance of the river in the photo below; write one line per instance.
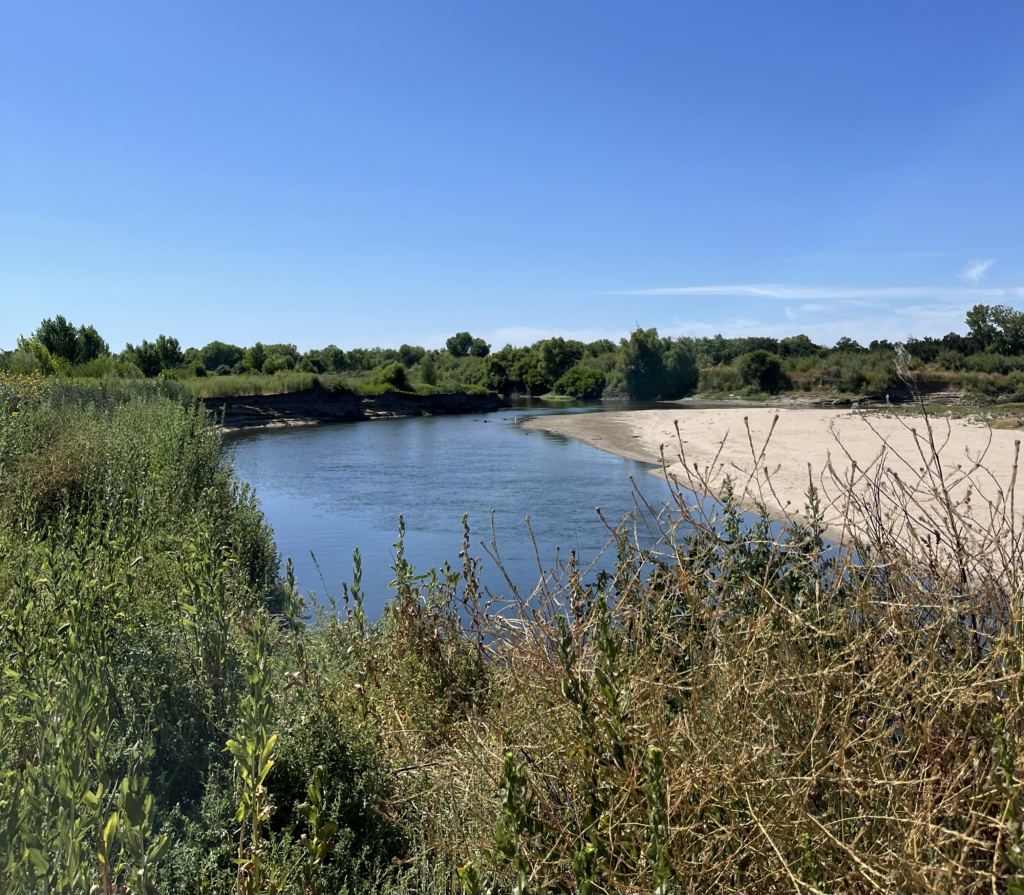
(328, 489)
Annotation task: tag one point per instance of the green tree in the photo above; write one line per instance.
(762, 371)
(558, 355)
(459, 345)
(641, 364)
(216, 353)
(255, 357)
(797, 346)
(410, 355)
(981, 327)
(681, 373)
(579, 382)
(479, 348)
(59, 337)
(154, 357)
(393, 374)
(90, 345)
(428, 371)
(847, 344)
(601, 346)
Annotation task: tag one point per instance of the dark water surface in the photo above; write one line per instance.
(329, 489)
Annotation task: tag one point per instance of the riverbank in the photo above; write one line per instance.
(804, 445)
(313, 406)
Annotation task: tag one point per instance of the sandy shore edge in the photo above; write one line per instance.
(805, 445)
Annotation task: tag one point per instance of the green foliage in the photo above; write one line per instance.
(410, 355)
(254, 358)
(428, 370)
(393, 374)
(643, 368)
(460, 344)
(681, 374)
(761, 371)
(76, 346)
(214, 354)
(580, 382)
(557, 356)
(479, 348)
(156, 357)
(106, 367)
(720, 379)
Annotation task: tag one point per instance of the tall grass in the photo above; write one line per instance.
(226, 386)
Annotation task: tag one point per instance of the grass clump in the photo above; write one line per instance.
(256, 384)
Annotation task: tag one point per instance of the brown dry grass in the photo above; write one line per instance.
(740, 708)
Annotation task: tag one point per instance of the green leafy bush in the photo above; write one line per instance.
(761, 371)
(580, 382)
(393, 374)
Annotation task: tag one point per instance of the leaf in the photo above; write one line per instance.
(39, 863)
(269, 747)
(158, 848)
(109, 831)
(133, 809)
(266, 770)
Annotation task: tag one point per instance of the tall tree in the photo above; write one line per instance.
(558, 356)
(642, 366)
(459, 345)
(59, 337)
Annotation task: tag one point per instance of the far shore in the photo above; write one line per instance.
(313, 406)
(803, 447)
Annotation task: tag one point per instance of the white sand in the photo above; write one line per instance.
(800, 438)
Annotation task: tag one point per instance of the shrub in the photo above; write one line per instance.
(761, 371)
(393, 374)
(720, 379)
(275, 363)
(105, 367)
(580, 382)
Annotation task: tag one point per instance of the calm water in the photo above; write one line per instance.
(328, 489)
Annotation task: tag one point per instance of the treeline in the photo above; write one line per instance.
(644, 366)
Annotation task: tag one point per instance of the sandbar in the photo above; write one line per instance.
(819, 446)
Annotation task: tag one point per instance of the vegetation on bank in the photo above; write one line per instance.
(738, 709)
(985, 363)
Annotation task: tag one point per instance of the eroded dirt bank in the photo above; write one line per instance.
(314, 406)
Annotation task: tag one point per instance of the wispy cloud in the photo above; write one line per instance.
(787, 292)
(975, 271)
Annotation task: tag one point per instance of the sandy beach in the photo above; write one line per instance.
(803, 444)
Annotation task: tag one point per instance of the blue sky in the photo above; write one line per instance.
(378, 173)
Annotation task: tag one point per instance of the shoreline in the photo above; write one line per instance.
(805, 446)
(314, 407)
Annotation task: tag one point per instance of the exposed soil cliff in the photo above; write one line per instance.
(316, 405)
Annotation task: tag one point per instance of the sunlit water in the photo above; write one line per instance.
(329, 489)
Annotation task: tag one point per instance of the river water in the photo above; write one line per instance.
(329, 489)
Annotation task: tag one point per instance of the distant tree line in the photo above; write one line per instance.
(644, 366)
